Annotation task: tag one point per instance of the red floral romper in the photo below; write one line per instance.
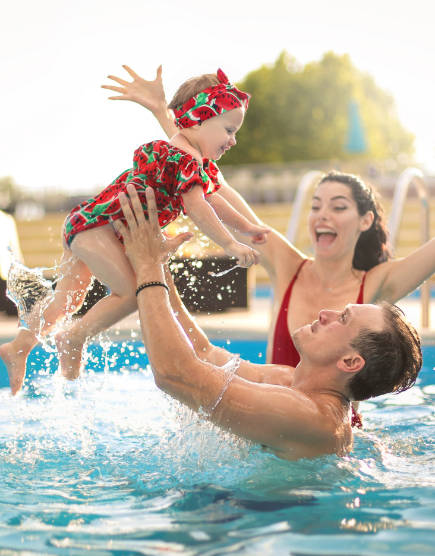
(167, 169)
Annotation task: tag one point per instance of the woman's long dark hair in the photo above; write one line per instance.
(371, 248)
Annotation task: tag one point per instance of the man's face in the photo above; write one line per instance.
(329, 337)
(217, 135)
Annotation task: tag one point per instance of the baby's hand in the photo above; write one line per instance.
(258, 233)
(149, 94)
(246, 256)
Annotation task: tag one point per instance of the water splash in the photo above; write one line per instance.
(230, 369)
(223, 272)
(30, 292)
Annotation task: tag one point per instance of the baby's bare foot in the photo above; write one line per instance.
(70, 355)
(15, 362)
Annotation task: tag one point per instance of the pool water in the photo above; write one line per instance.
(110, 465)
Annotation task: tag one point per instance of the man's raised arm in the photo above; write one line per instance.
(272, 415)
(270, 374)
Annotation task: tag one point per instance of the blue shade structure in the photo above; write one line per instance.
(356, 140)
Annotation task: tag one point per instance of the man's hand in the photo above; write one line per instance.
(149, 94)
(145, 245)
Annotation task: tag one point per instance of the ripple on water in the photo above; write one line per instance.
(111, 460)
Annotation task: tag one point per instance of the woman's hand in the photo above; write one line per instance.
(149, 94)
(145, 245)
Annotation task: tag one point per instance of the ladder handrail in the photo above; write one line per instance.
(298, 204)
(407, 177)
(412, 176)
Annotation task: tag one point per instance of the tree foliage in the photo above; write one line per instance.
(302, 113)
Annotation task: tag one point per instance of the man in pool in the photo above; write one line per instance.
(354, 354)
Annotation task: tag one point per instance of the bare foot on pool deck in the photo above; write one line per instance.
(70, 355)
(15, 362)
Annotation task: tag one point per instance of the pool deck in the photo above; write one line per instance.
(243, 324)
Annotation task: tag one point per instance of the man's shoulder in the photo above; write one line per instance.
(334, 422)
(323, 417)
(324, 429)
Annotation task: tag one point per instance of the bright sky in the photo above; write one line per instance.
(59, 131)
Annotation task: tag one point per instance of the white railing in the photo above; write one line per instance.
(412, 176)
(302, 191)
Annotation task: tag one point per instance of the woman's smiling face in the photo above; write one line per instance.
(334, 222)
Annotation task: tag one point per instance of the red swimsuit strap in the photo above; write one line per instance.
(287, 294)
(360, 299)
(283, 351)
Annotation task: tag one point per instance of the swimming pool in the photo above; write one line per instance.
(110, 465)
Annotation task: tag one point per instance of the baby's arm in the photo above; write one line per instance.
(149, 94)
(234, 219)
(203, 215)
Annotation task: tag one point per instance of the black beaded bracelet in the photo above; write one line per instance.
(149, 285)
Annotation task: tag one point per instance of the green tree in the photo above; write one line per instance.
(302, 113)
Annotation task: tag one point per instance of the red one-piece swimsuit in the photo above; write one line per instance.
(284, 351)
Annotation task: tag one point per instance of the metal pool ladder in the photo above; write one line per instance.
(302, 191)
(412, 176)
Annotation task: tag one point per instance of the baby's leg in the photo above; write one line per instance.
(69, 295)
(103, 254)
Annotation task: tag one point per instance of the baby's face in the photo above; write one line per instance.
(217, 135)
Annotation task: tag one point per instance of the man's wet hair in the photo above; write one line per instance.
(392, 357)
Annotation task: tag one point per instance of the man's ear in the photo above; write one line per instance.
(351, 363)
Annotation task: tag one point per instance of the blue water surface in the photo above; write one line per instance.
(110, 465)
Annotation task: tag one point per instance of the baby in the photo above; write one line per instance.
(208, 113)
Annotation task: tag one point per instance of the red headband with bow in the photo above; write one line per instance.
(211, 102)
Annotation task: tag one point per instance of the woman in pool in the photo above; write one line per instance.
(351, 262)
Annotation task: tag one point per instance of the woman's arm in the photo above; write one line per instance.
(394, 279)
